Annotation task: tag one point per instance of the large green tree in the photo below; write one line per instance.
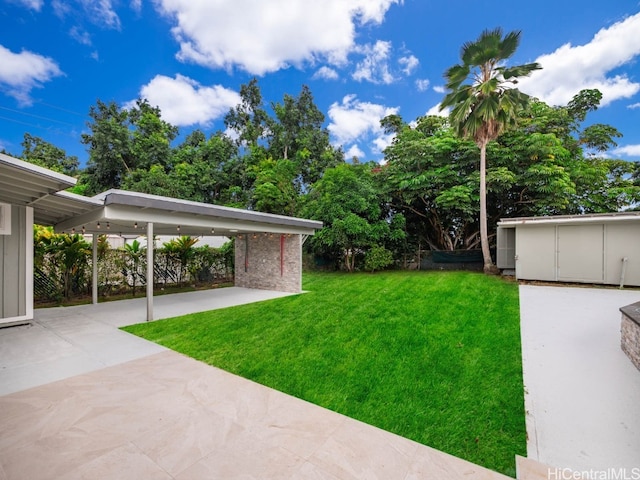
(151, 137)
(542, 167)
(40, 152)
(199, 169)
(122, 140)
(430, 176)
(485, 102)
(297, 134)
(109, 146)
(249, 118)
(348, 201)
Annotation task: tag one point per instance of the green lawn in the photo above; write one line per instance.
(432, 356)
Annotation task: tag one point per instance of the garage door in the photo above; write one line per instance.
(580, 253)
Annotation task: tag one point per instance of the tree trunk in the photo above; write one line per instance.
(484, 236)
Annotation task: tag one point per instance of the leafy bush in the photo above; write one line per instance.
(377, 258)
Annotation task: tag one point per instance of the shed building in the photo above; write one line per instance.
(594, 248)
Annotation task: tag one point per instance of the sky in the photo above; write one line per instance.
(362, 60)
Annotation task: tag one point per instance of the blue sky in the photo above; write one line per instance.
(362, 59)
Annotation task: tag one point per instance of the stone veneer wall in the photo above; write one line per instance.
(261, 268)
(630, 332)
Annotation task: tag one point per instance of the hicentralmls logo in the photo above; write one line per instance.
(607, 474)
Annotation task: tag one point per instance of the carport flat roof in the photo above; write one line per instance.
(572, 219)
(124, 212)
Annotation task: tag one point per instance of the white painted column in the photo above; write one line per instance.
(94, 281)
(29, 263)
(149, 271)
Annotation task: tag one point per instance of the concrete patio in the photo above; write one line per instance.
(67, 341)
(82, 399)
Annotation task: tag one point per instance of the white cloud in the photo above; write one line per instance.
(262, 37)
(24, 71)
(375, 65)
(628, 150)
(99, 12)
(184, 101)
(383, 141)
(435, 110)
(79, 35)
(353, 120)
(439, 88)
(572, 68)
(326, 73)
(633, 106)
(354, 151)
(102, 13)
(136, 5)
(408, 64)
(32, 4)
(61, 8)
(422, 84)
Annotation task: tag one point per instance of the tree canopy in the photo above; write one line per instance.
(425, 194)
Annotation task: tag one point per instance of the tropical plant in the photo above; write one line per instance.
(487, 104)
(72, 252)
(181, 249)
(134, 254)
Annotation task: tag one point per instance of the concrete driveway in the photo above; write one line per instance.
(582, 394)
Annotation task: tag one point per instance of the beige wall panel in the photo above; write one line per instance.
(536, 253)
(12, 277)
(580, 253)
(622, 241)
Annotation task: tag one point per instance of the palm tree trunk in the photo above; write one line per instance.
(484, 236)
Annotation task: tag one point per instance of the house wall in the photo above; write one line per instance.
(259, 263)
(16, 267)
(584, 253)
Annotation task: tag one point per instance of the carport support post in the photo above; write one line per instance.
(149, 271)
(94, 281)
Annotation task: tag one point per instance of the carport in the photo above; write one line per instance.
(268, 247)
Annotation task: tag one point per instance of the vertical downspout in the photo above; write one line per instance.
(281, 255)
(624, 271)
(246, 254)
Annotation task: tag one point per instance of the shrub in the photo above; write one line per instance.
(377, 258)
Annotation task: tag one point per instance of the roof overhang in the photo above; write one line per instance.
(25, 184)
(616, 217)
(127, 213)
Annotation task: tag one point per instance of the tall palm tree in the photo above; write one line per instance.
(485, 102)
